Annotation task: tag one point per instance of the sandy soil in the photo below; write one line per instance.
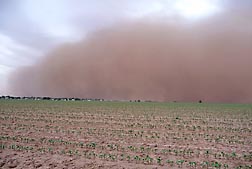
(95, 136)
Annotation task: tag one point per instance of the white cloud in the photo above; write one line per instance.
(4, 72)
(53, 17)
(196, 9)
(13, 55)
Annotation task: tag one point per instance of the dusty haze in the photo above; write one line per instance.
(164, 60)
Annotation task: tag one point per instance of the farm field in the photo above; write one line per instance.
(82, 134)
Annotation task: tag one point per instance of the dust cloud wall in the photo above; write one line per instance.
(161, 59)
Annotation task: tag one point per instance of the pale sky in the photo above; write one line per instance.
(31, 28)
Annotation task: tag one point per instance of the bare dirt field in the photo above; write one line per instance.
(81, 134)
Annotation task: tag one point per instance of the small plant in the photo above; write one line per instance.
(128, 158)
(2, 146)
(216, 165)
(205, 164)
(148, 159)
(192, 164)
(159, 160)
(170, 162)
(180, 162)
(233, 155)
(225, 166)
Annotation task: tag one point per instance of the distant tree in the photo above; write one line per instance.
(2, 97)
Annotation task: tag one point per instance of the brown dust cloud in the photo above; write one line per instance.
(161, 59)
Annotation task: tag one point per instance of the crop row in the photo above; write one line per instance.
(170, 151)
(144, 159)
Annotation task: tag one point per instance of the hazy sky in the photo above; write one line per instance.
(29, 29)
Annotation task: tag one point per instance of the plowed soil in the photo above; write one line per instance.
(81, 134)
